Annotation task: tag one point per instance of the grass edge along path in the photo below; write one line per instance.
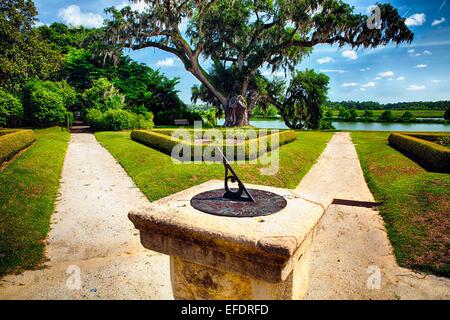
(157, 176)
(416, 205)
(28, 190)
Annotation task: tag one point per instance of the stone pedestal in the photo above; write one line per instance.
(214, 257)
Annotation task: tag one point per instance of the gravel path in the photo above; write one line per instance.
(352, 246)
(90, 232)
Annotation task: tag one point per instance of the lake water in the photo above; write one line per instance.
(358, 126)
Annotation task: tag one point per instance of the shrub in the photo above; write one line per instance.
(102, 95)
(44, 107)
(118, 120)
(11, 110)
(432, 155)
(13, 142)
(94, 118)
(167, 117)
(161, 140)
(386, 116)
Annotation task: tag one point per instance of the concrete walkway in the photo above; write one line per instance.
(352, 247)
(91, 233)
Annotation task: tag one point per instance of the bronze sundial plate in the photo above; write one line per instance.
(213, 202)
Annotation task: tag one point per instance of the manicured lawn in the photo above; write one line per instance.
(157, 176)
(416, 207)
(28, 189)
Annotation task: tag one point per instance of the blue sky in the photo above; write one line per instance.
(416, 72)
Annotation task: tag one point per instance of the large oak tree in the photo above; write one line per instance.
(248, 34)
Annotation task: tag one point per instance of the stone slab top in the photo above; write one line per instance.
(263, 247)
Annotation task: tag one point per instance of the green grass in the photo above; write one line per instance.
(399, 113)
(157, 176)
(416, 204)
(28, 189)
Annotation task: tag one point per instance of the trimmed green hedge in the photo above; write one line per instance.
(14, 141)
(165, 143)
(432, 155)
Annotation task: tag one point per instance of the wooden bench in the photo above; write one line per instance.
(181, 122)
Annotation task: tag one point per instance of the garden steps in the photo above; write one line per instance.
(80, 127)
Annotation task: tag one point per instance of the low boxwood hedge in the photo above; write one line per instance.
(433, 156)
(163, 142)
(14, 141)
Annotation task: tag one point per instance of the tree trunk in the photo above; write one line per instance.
(236, 112)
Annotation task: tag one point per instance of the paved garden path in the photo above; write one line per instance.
(90, 232)
(351, 244)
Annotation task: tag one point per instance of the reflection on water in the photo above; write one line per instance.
(359, 126)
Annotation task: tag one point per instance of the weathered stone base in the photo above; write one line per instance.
(192, 281)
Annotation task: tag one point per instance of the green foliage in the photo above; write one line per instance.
(208, 117)
(344, 114)
(141, 85)
(45, 103)
(407, 116)
(118, 119)
(371, 105)
(353, 115)
(265, 111)
(368, 115)
(326, 125)
(329, 114)
(301, 108)
(103, 95)
(165, 143)
(434, 156)
(11, 110)
(15, 141)
(447, 114)
(386, 116)
(23, 53)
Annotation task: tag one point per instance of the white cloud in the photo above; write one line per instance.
(421, 66)
(378, 78)
(412, 50)
(437, 81)
(415, 87)
(426, 52)
(73, 17)
(325, 60)
(401, 78)
(139, 6)
(333, 71)
(168, 62)
(438, 21)
(386, 74)
(349, 84)
(364, 69)
(363, 89)
(349, 54)
(417, 19)
(370, 84)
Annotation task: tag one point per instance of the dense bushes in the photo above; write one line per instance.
(46, 102)
(11, 110)
(432, 155)
(162, 141)
(118, 119)
(102, 96)
(14, 141)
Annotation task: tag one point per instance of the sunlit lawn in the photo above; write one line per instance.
(157, 176)
(28, 189)
(416, 206)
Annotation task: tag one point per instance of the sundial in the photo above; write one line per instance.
(237, 202)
